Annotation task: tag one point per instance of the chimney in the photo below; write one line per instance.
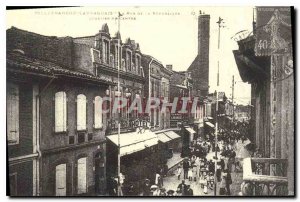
(203, 35)
(170, 67)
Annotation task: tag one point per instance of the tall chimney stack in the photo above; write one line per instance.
(203, 35)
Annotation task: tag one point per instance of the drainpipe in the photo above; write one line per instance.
(38, 132)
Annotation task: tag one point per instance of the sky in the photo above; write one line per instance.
(167, 33)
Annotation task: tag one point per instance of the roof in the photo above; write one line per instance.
(18, 61)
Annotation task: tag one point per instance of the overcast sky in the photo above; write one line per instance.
(167, 33)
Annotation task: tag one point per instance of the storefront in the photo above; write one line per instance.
(138, 156)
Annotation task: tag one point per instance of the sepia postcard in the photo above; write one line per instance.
(150, 101)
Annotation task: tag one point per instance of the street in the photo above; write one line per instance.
(171, 182)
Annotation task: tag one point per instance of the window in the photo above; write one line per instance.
(98, 119)
(128, 60)
(12, 113)
(111, 60)
(105, 52)
(81, 112)
(138, 65)
(116, 56)
(81, 178)
(60, 180)
(123, 65)
(60, 112)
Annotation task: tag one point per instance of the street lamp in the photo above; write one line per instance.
(220, 24)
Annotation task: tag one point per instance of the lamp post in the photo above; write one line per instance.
(119, 111)
(220, 21)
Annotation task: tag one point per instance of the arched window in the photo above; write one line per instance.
(98, 117)
(60, 112)
(81, 175)
(81, 112)
(60, 180)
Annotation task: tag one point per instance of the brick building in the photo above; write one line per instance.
(62, 130)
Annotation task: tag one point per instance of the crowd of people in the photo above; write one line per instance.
(198, 168)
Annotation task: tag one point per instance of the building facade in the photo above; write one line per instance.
(69, 137)
(269, 70)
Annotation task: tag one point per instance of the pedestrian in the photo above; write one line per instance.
(189, 191)
(178, 192)
(146, 188)
(222, 186)
(178, 172)
(190, 174)
(131, 190)
(185, 168)
(162, 192)
(157, 179)
(219, 172)
(170, 192)
(156, 192)
(182, 187)
(228, 182)
(195, 172)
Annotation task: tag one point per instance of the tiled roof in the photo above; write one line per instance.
(35, 65)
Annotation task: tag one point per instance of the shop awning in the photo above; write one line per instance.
(190, 130)
(171, 134)
(163, 137)
(134, 141)
(210, 124)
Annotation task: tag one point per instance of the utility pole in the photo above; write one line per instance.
(119, 191)
(220, 21)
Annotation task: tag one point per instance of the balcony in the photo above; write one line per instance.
(265, 177)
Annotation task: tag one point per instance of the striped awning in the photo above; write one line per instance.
(210, 124)
(133, 142)
(163, 137)
(190, 130)
(171, 134)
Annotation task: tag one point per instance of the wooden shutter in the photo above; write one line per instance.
(60, 112)
(81, 112)
(13, 113)
(98, 112)
(60, 180)
(81, 180)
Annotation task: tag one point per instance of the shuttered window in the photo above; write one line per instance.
(12, 113)
(98, 112)
(60, 180)
(60, 112)
(81, 180)
(81, 112)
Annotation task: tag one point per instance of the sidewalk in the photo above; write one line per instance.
(173, 162)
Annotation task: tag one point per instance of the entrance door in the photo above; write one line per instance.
(99, 173)
(81, 180)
